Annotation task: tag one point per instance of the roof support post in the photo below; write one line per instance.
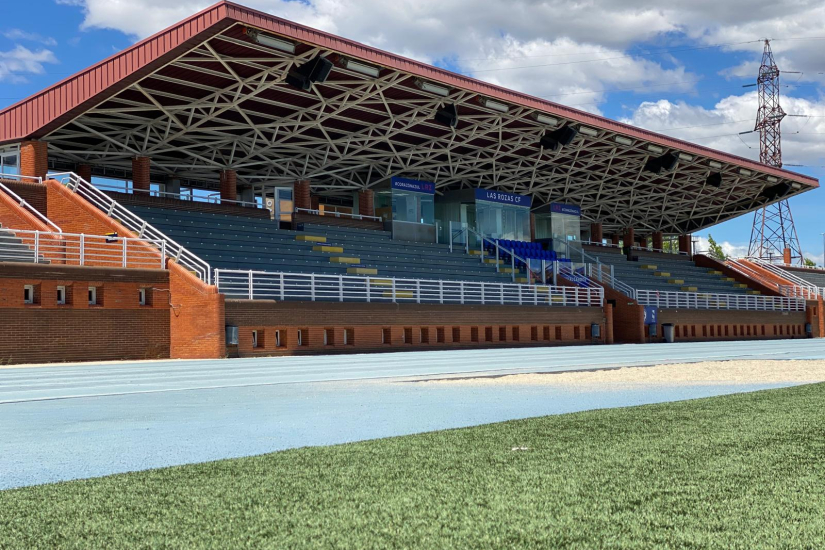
(629, 236)
(301, 194)
(34, 158)
(140, 173)
(366, 202)
(84, 171)
(596, 232)
(658, 240)
(684, 244)
(229, 185)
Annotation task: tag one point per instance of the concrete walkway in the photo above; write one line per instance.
(75, 421)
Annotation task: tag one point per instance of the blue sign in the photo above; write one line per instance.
(561, 208)
(651, 315)
(502, 197)
(416, 186)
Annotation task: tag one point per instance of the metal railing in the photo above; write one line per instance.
(82, 250)
(211, 199)
(115, 210)
(261, 285)
(331, 214)
(605, 275)
(26, 205)
(462, 235)
(675, 252)
(701, 300)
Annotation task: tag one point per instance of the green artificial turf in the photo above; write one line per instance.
(743, 471)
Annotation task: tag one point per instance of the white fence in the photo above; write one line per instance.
(81, 249)
(700, 300)
(260, 285)
(145, 231)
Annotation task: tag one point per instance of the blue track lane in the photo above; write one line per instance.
(75, 421)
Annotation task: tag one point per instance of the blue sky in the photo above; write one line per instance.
(678, 71)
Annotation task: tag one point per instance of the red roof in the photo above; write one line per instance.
(45, 111)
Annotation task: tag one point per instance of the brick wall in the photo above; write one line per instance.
(710, 263)
(352, 327)
(330, 219)
(196, 320)
(34, 159)
(628, 318)
(141, 199)
(14, 216)
(698, 325)
(32, 193)
(117, 327)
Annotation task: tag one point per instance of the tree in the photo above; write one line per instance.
(807, 262)
(715, 250)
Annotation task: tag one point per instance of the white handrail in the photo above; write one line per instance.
(81, 249)
(318, 212)
(114, 209)
(29, 207)
(703, 300)
(315, 287)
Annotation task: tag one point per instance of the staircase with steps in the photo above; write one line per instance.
(244, 243)
(673, 275)
(13, 249)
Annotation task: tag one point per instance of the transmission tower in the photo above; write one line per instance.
(773, 236)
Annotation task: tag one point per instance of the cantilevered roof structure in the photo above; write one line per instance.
(213, 92)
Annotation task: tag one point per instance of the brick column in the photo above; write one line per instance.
(532, 227)
(596, 234)
(315, 202)
(366, 202)
(786, 255)
(300, 194)
(658, 240)
(84, 171)
(608, 323)
(614, 238)
(643, 242)
(229, 185)
(629, 236)
(684, 244)
(34, 158)
(140, 173)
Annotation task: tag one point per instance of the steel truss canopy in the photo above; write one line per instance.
(211, 93)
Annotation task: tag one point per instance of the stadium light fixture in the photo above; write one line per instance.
(494, 105)
(622, 140)
(546, 119)
(773, 179)
(745, 172)
(655, 149)
(592, 132)
(796, 186)
(714, 164)
(358, 67)
(685, 157)
(270, 41)
(432, 88)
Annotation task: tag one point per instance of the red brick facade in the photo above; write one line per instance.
(366, 202)
(116, 327)
(229, 185)
(141, 173)
(359, 328)
(301, 194)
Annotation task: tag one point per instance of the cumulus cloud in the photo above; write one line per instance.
(719, 127)
(732, 250)
(20, 61)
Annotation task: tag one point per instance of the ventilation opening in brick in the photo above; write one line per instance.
(693, 331)
(145, 297)
(727, 332)
(488, 334)
(456, 334)
(257, 339)
(31, 294)
(474, 334)
(280, 338)
(558, 333)
(439, 335)
(577, 333)
(329, 336)
(408, 337)
(546, 334)
(62, 296)
(303, 337)
(425, 335)
(502, 334)
(349, 336)
(515, 334)
(95, 295)
(386, 336)
(534, 334)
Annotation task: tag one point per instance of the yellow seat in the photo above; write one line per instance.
(379, 282)
(676, 281)
(322, 248)
(689, 289)
(311, 238)
(649, 266)
(362, 271)
(344, 260)
(399, 294)
(662, 274)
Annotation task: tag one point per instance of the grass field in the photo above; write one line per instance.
(742, 471)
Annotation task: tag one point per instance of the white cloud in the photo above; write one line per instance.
(737, 250)
(16, 63)
(19, 34)
(718, 127)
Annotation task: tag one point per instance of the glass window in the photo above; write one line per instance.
(412, 207)
(9, 161)
(503, 221)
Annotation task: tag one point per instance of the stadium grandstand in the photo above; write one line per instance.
(242, 185)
